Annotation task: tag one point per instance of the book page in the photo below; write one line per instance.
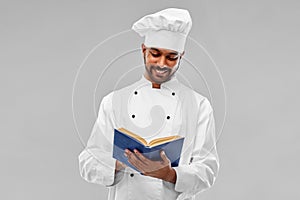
(131, 134)
(159, 141)
(152, 143)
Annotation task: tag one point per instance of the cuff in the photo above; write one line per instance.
(181, 182)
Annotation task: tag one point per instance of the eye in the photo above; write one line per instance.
(172, 58)
(154, 54)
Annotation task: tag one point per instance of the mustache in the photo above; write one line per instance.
(161, 68)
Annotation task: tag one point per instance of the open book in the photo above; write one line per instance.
(124, 139)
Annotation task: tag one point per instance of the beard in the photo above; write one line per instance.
(161, 74)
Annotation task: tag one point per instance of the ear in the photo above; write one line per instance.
(182, 54)
(143, 48)
(144, 52)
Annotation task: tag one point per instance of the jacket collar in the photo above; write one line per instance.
(172, 84)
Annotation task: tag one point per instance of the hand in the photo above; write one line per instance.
(119, 166)
(157, 169)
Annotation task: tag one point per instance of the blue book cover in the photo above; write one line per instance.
(124, 139)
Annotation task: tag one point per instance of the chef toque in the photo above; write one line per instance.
(166, 29)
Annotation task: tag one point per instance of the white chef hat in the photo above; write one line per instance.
(166, 29)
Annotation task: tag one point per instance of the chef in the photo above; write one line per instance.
(155, 106)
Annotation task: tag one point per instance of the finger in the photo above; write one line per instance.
(141, 156)
(138, 165)
(132, 159)
(164, 157)
(129, 154)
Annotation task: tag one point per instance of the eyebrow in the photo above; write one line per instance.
(171, 53)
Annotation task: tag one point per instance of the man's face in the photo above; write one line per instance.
(160, 64)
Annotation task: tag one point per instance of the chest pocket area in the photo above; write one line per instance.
(176, 121)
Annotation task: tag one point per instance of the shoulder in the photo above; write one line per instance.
(116, 95)
(202, 101)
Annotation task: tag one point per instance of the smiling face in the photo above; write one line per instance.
(160, 64)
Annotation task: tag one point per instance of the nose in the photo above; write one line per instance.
(162, 61)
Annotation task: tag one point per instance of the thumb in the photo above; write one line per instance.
(164, 157)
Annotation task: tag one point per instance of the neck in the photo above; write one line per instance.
(148, 78)
(154, 84)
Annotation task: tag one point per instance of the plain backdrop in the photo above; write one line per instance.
(50, 96)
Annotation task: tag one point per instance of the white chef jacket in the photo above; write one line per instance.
(187, 113)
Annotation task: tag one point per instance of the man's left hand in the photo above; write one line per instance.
(157, 169)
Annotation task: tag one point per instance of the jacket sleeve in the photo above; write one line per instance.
(96, 164)
(200, 174)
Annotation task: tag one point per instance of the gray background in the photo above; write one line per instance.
(43, 43)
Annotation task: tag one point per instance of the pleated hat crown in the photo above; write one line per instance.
(166, 29)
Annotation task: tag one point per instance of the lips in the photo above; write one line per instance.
(161, 71)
